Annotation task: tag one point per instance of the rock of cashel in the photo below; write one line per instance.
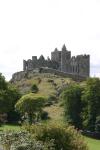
(61, 63)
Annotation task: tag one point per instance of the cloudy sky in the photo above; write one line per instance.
(35, 27)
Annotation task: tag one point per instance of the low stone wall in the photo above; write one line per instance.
(26, 74)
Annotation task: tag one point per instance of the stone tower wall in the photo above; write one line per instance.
(56, 56)
(65, 59)
(83, 64)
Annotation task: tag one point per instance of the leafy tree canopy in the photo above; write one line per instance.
(72, 104)
(30, 104)
(8, 96)
(91, 103)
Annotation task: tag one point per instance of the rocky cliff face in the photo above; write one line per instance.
(29, 74)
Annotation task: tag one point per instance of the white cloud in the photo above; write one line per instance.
(36, 27)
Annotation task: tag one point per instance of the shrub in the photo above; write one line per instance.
(44, 115)
(50, 80)
(65, 137)
(51, 100)
(34, 88)
(23, 141)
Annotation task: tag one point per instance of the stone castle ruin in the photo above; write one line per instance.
(61, 61)
(61, 64)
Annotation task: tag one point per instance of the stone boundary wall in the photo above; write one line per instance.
(28, 74)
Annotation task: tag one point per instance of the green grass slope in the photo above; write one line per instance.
(47, 83)
(93, 144)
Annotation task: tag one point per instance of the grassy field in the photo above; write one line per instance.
(9, 127)
(93, 144)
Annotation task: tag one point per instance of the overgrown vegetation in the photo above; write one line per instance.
(65, 137)
(82, 105)
(44, 137)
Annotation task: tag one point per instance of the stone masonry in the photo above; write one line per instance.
(61, 61)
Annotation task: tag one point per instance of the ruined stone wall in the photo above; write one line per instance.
(38, 63)
(80, 65)
(62, 61)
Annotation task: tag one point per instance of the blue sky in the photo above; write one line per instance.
(35, 27)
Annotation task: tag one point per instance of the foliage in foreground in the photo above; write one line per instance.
(11, 140)
(65, 137)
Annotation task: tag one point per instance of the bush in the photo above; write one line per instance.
(65, 137)
(34, 88)
(11, 140)
(44, 115)
(50, 80)
(51, 100)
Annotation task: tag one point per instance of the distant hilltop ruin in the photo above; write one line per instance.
(61, 64)
(62, 61)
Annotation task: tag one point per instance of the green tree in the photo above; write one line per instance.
(72, 104)
(91, 103)
(8, 96)
(12, 95)
(31, 105)
(3, 83)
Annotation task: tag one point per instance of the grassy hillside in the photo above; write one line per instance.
(55, 112)
(47, 83)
